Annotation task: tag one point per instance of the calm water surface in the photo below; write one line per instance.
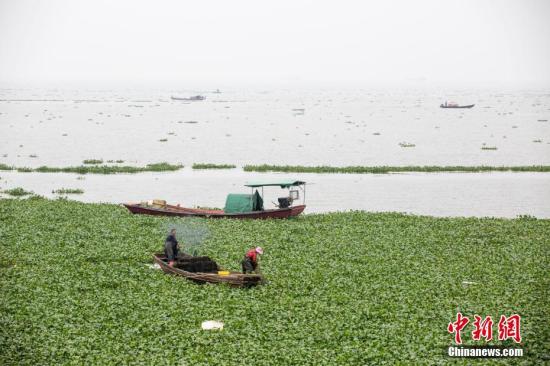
(448, 194)
(327, 127)
(305, 127)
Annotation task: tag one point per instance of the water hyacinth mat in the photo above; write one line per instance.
(349, 288)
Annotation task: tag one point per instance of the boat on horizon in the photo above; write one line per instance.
(455, 105)
(237, 205)
(193, 98)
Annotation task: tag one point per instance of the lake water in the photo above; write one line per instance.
(445, 194)
(291, 127)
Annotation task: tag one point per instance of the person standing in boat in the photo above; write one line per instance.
(250, 260)
(171, 247)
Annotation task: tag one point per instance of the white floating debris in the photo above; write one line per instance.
(469, 283)
(153, 266)
(211, 324)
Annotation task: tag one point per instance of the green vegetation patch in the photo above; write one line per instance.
(68, 191)
(213, 166)
(98, 169)
(391, 169)
(344, 289)
(108, 169)
(24, 170)
(17, 192)
(93, 161)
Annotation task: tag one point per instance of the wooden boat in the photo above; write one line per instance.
(454, 105)
(174, 210)
(234, 279)
(237, 206)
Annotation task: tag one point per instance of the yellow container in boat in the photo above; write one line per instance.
(223, 273)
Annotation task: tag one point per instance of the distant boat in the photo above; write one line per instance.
(217, 91)
(455, 105)
(193, 98)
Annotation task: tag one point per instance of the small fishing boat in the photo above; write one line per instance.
(455, 105)
(190, 99)
(234, 279)
(237, 205)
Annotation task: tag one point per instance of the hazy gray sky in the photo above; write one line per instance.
(220, 41)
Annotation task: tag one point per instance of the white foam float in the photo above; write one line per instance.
(211, 324)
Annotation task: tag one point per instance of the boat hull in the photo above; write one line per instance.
(234, 279)
(171, 210)
(457, 106)
(192, 99)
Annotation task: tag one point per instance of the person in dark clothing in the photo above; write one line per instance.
(171, 248)
(250, 260)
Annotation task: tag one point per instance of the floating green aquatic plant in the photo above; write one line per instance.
(17, 192)
(24, 169)
(68, 191)
(213, 166)
(391, 169)
(109, 169)
(406, 144)
(344, 288)
(93, 161)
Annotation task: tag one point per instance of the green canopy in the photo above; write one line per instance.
(284, 183)
(237, 203)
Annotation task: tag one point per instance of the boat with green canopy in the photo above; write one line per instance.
(238, 205)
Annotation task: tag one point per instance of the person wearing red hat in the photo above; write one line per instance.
(250, 260)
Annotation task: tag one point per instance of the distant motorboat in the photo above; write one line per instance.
(193, 98)
(217, 91)
(455, 105)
